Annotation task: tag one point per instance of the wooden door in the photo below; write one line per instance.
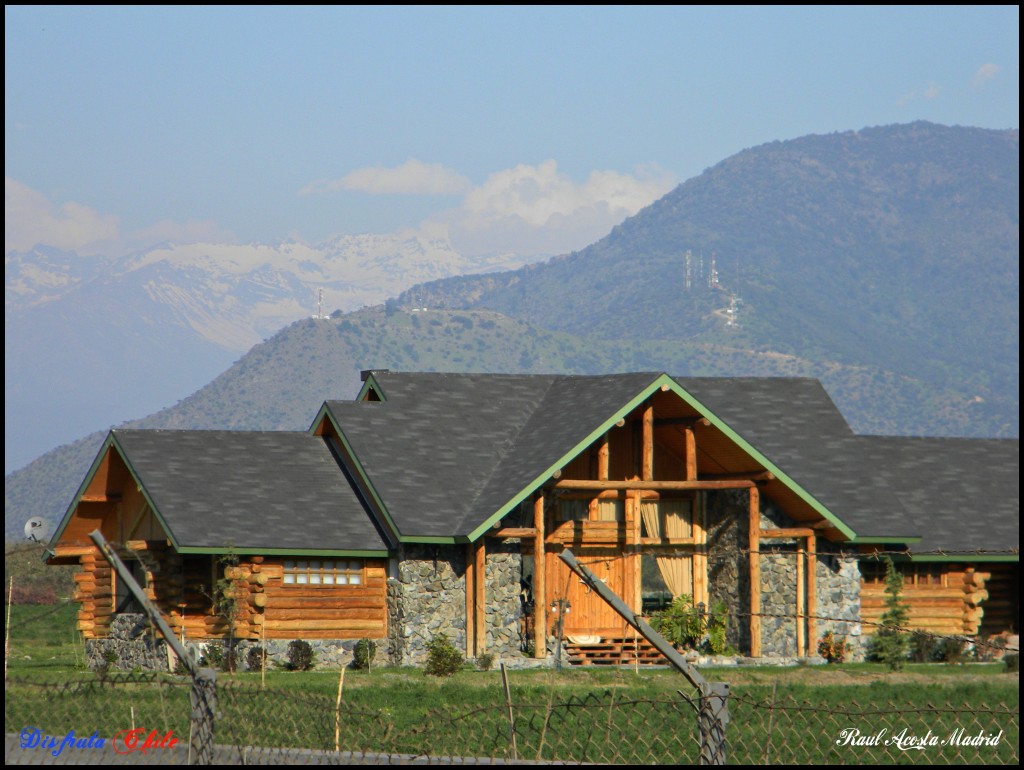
(588, 613)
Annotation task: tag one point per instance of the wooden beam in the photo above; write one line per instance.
(812, 593)
(74, 550)
(801, 594)
(603, 458)
(748, 475)
(754, 528)
(684, 422)
(540, 629)
(652, 485)
(470, 601)
(522, 532)
(647, 456)
(481, 597)
(691, 454)
(787, 532)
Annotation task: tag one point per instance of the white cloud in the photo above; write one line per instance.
(411, 178)
(539, 210)
(30, 219)
(932, 91)
(985, 73)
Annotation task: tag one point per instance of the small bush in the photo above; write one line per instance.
(485, 662)
(718, 625)
(680, 623)
(443, 659)
(255, 658)
(951, 650)
(833, 649)
(364, 653)
(1012, 660)
(300, 656)
(213, 657)
(924, 648)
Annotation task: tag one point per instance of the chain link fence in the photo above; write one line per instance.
(154, 719)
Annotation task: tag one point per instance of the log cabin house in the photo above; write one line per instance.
(440, 502)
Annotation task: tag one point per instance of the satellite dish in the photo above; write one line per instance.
(37, 529)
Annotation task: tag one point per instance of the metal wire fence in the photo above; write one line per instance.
(139, 718)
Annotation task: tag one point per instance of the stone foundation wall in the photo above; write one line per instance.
(504, 572)
(839, 597)
(132, 644)
(427, 598)
(728, 572)
(838, 578)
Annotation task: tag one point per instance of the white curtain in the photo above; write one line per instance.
(676, 570)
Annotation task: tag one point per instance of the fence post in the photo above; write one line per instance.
(712, 719)
(204, 705)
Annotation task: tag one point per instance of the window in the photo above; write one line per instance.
(323, 572)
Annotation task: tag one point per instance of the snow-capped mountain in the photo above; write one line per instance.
(134, 334)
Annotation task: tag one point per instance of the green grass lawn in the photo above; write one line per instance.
(777, 715)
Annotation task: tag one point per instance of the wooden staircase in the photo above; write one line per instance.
(614, 652)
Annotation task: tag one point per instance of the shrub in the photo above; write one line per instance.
(833, 649)
(364, 653)
(890, 644)
(255, 658)
(1012, 660)
(680, 623)
(718, 625)
(300, 656)
(951, 650)
(485, 661)
(213, 657)
(924, 648)
(443, 659)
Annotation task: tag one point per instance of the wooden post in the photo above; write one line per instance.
(603, 458)
(470, 601)
(755, 573)
(481, 597)
(540, 597)
(801, 638)
(647, 462)
(691, 455)
(812, 592)
(700, 554)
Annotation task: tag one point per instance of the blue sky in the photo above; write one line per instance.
(507, 129)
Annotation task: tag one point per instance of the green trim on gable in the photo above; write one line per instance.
(675, 387)
(357, 466)
(109, 443)
(760, 458)
(373, 554)
(434, 540)
(968, 558)
(878, 540)
(370, 383)
(568, 456)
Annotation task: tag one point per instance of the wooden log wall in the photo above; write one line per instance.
(943, 599)
(1002, 608)
(94, 591)
(318, 611)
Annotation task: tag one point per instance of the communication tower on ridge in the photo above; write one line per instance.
(688, 280)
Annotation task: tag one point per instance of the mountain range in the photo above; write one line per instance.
(170, 319)
(884, 261)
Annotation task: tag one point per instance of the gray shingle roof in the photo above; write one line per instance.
(445, 451)
(249, 491)
(795, 424)
(964, 493)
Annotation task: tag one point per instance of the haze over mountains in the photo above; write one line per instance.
(883, 261)
(92, 342)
